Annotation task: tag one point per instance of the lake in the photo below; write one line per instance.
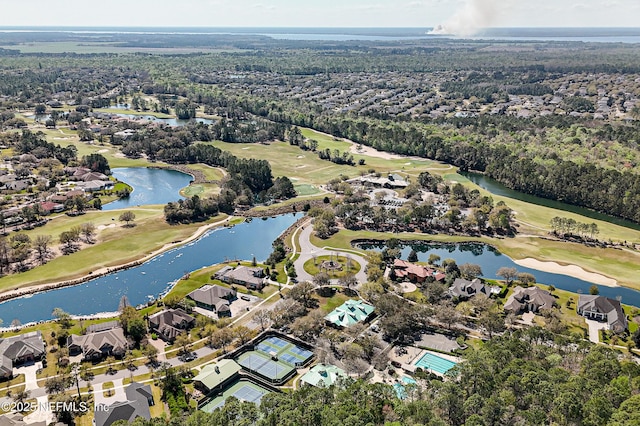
(495, 187)
(154, 277)
(150, 186)
(490, 260)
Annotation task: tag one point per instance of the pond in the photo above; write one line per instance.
(490, 260)
(152, 278)
(495, 187)
(150, 186)
(168, 121)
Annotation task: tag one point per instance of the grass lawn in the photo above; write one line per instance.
(150, 233)
(304, 190)
(328, 304)
(200, 189)
(210, 173)
(133, 112)
(313, 266)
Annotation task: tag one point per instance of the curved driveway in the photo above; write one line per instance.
(308, 250)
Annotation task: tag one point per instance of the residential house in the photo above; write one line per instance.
(602, 308)
(349, 313)
(391, 181)
(95, 346)
(323, 375)
(51, 207)
(465, 289)
(214, 298)
(403, 270)
(20, 349)
(16, 419)
(139, 399)
(170, 323)
(214, 377)
(251, 278)
(530, 299)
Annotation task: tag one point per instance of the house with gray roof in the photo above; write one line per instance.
(251, 278)
(16, 419)
(94, 346)
(17, 350)
(465, 289)
(170, 323)
(602, 308)
(214, 298)
(530, 299)
(139, 399)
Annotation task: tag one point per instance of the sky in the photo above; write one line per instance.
(462, 15)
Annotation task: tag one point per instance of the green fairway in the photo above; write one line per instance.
(306, 189)
(115, 245)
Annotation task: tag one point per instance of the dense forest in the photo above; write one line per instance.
(462, 102)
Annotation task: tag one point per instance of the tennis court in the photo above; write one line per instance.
(242, 389)
(261, 363)
(284, 350)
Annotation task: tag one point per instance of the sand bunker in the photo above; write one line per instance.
(571, 270)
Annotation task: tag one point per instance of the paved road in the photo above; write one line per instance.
(308, 250)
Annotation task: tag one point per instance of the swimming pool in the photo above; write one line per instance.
(434, 363)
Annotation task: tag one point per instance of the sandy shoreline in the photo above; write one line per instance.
(23, 291)
(570, 270)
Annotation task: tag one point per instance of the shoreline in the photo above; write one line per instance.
(30, 290)
(570, 270)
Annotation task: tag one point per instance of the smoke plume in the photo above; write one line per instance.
(471, 17)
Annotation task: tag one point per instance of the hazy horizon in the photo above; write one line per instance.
(456, 16)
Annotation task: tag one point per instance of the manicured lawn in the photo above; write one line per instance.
(306, 189)
(313, 266)
(133, 112)
(210, 173)
(328, 304)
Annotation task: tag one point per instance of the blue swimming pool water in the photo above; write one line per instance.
(408, 380)
(432, 362)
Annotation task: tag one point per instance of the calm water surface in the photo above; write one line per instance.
(150, 186)
(152, 278)
(490, 260)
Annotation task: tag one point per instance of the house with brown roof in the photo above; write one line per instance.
(94, 346)
(403, 270)
(251, 278)
(20, 349)
(602, 308)
(530, 299)
(170, 323)
(214, 298)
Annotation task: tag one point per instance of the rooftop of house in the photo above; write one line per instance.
(323, 375)
(171, 317)
(137, 405)
(349, 313)
(211, 294)
(523, 297)
(214, 375)
(610, 307)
